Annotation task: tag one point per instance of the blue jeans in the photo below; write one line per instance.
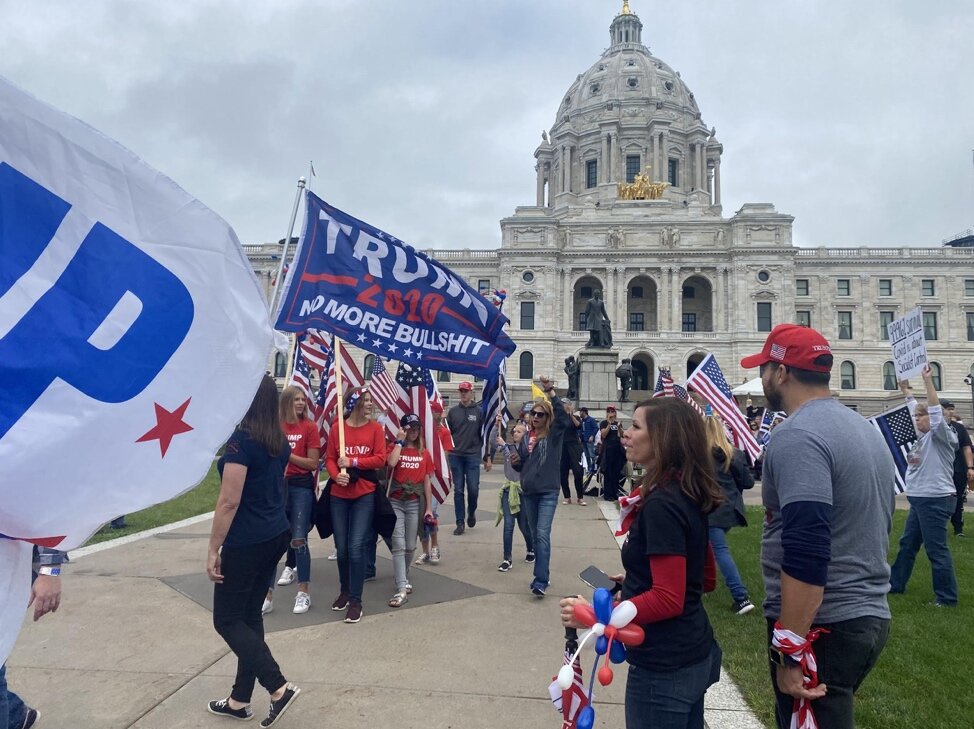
(539, 510)
(670, 699)
(300, 512)
(465, 471)
(926, 524)
(725, 561)
(352, 521)
(590, 456)
(12, 709)
(509, 521)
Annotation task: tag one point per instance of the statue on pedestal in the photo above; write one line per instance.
(624, 373)
(572, 370)
(597, 322)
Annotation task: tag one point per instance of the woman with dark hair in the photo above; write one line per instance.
(249, 534)
(411, 497)
(734, 478)
(666, 561)
(354, 479)
(538, 459)
(302, 435)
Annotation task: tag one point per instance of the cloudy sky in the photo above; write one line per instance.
(422, 116)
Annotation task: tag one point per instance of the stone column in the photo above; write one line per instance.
(567, 323)
(566, 168)
(710, 184)
(676, 300)
(717, 181)
(622, 310)
(701, 167)
(604, 175)
(540, 191)
(665, 157)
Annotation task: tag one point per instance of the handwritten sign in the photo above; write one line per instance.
(908, 345)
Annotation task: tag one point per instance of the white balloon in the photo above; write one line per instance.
(598, 629)
(565, 677)
(623, 614)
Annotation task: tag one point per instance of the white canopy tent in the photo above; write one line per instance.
(753, 388)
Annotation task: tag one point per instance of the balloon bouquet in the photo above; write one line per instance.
(613, 631)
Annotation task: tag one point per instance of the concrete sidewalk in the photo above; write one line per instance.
(133, 644)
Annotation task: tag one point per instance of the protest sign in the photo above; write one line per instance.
(908, 345)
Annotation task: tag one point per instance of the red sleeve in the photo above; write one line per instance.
(664, 600)
(311, 436)
(428, 463)
(710, 570)
(331, 452)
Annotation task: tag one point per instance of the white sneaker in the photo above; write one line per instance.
(333, 556)
(267, 607)
(302, 602)
(288, 576)
(422, 559)
(435, 555)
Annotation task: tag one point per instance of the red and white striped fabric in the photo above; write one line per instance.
(709, 381)
(628, 508)
(328, 393)
(314, 348)
(571, 701)
(389, 397)
(791, 644)
(441, 466)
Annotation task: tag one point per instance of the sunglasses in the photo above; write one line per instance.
(539, 414)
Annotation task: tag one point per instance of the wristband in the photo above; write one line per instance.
(355, 463)
(400, 443)
(49, 571)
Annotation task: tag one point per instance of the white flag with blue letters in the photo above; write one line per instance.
(133, 332)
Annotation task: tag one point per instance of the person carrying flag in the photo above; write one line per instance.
(429, 539)
(828, 496)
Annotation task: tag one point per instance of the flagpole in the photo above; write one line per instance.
(278, 282)
(292, 357)
(337, 354)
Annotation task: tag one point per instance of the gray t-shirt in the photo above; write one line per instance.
(825, 452)
(930, 463)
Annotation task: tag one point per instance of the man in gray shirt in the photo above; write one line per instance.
(828, 492)
(465, 420)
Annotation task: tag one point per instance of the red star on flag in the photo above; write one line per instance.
(168, 425)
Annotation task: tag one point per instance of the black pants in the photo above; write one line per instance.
(571, 460)
(236, 613)
(845, 656)
(613, 462)
(960, 483)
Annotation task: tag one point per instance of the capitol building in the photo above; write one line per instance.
(627, 201)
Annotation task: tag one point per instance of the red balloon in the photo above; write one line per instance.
(584, 614)
(611, 632)
(632, 634)
(605, 675)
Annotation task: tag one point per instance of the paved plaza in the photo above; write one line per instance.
(133, 644)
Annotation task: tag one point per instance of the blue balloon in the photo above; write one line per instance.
(601, 645)
(602, 604)
(586, 718)
(617, 654)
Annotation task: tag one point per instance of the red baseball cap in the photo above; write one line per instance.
(792, 345)
(465, 385)
(436, 407)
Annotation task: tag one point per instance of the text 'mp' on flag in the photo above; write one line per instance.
(383, 296)
(130, 320)
(896, 427)
(709, 381)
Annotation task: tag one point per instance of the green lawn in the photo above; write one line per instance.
(198, 501)
(922, 676)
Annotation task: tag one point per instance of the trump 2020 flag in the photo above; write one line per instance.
(376, 292)
(133, 332)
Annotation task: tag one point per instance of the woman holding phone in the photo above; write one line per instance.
(667, 564)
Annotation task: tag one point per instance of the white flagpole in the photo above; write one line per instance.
(337, 353)
(278, 282)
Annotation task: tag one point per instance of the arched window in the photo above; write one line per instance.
(526, 366)
(935, 376)
(367, 366)
(442, 376)
(848, 376)
(280, 365)
(889, 376)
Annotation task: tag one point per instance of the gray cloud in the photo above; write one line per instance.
(422, 117)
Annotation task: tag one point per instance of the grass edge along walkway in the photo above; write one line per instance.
(921, 679)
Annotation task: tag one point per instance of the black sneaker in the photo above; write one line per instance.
(742, 607)
(459, 530)
(30, 718)
(504, 566)
(538, 592)
(341, 602)
(222, 708)
(281, 705)
(529, 557)
(959, 534)
(354, 612)
(472, 520)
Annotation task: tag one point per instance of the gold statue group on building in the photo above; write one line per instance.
(641, 188)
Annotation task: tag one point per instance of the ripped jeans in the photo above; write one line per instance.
(300, 511)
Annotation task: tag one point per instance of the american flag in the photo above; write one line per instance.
(389, 397)
(493, 404)
(709, 381)
(314, 349)
(665, 387)
(441, 465)
(900, 435)
(767, 420)
(301, 376)
(571, 701)
(327, 399)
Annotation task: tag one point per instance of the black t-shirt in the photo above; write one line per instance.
(260, 516)
(669, 523)
(963, 439)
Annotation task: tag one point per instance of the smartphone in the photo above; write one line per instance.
(596, 578)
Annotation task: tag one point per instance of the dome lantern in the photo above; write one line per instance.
(626, 28)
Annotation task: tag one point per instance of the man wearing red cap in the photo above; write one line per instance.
(465, 420)
(827, 488)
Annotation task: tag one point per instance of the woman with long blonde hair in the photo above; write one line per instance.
(734, 477)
